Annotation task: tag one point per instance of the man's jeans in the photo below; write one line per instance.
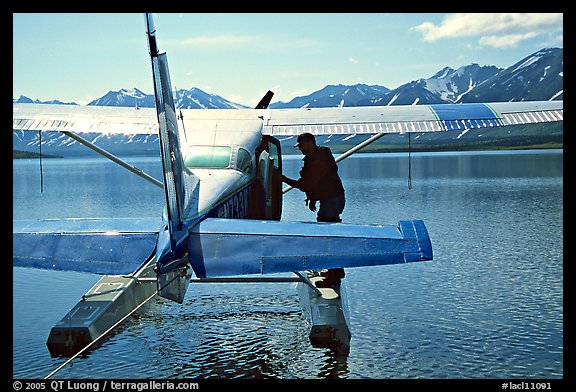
(330, 209)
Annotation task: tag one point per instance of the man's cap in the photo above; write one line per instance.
(304, 136)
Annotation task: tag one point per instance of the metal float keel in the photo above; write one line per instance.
(327, 312)
(107, 302)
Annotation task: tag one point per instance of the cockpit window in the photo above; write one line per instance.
(210, 157)
(244, 161)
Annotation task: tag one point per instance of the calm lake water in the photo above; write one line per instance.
(490, 304)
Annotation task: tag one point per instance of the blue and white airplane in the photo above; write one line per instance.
(222, 174)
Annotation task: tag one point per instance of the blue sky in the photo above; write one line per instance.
(80, 57)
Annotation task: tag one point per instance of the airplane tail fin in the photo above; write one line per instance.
(265, 101)
(180, 185)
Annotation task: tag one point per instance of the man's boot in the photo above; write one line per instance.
(333, 277)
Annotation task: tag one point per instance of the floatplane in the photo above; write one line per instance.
(222, 180)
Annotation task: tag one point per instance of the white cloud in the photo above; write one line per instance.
(470, 46)
(352, 60)
(504, 41)
(502, 30)
(559, 39)
(555, 40)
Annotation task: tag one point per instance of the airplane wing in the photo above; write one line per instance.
(412, 118)
(102, 246)
(76, 118)
(278, 122)
(224, 247)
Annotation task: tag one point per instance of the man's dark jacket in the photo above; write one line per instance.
(319, 176)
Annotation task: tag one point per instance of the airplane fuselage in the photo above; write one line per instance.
(234, 181)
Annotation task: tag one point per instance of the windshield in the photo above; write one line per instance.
(213, 157)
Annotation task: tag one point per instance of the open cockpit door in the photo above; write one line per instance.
(270, 177)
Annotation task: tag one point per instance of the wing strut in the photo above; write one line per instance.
(351, 151)
(40, 156)
(115, 159)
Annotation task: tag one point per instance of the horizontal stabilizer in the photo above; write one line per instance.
(102, 246)
(225, 247)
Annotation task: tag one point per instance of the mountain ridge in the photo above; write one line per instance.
(538, 76)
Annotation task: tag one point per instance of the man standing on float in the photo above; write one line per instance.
(320, 181)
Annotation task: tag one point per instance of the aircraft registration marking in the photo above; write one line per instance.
(235, 207)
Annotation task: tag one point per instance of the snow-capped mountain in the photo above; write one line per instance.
(539, 76)
(451, 84)
(536, 77)
(185, 99)
(25, 99)
(445, 86)
(334, 96)
(412, 93)
(125, 97)
(198, 99)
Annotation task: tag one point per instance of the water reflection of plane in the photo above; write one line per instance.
(222, 183)
(335, 366)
